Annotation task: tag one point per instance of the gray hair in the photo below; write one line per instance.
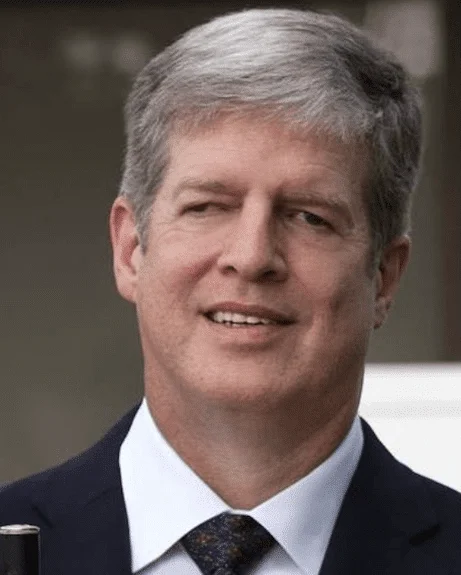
(308, 69)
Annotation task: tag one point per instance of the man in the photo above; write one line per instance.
(261, 232)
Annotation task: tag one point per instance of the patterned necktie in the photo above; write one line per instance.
(227, 544)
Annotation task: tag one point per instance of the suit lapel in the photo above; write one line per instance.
(93, 541)
(86, 526)
(386, 516)
(385, 511)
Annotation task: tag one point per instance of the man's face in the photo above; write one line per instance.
(254, 287)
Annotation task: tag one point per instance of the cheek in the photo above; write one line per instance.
(178, 247)
(173, 265)
(352, 307)
(337, 289)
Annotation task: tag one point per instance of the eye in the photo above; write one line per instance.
(313, 219)
(201, 208)
(308, 218)
(205, 208)
(198, 208)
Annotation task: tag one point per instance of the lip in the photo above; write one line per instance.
(255, 310)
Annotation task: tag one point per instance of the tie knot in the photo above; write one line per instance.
(227, 544)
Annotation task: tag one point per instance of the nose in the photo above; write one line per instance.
(251, 248)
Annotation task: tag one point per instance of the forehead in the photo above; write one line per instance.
(237, 141)
(235, 155)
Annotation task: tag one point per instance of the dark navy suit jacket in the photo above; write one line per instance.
(392, 521)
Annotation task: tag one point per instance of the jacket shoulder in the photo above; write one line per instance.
(447, 505)
(62, 486)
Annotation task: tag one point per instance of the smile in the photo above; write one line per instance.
(238, 319)
(253, 316)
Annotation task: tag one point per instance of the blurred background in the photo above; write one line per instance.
(69, 357)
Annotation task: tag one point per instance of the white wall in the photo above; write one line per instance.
(415, 409)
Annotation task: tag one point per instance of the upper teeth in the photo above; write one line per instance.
(226, 316)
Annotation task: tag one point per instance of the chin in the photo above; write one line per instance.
(255, 392)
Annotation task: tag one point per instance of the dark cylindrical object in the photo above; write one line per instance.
(19, 550)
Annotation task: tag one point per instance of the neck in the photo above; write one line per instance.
(248, 456)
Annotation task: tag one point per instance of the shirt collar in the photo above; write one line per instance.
(302, 516)
(165, 499)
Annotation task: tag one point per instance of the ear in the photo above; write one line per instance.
(126, 248)
(393, 263)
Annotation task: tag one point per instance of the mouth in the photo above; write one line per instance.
(248, 316)
(237, 319)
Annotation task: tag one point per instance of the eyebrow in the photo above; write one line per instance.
(213, 186)
(330, 201)
(299, 194)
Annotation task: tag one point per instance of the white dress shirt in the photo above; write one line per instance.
(165, 499)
